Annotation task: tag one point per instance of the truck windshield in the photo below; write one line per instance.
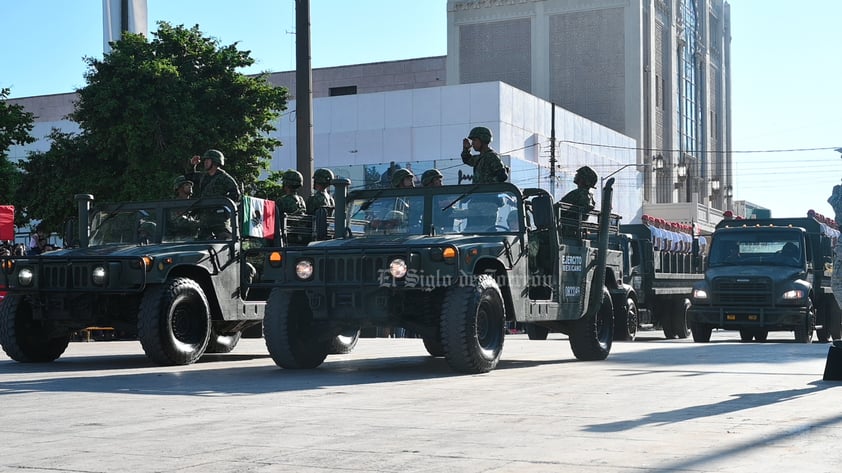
(756, 247)
(477, 212)
(123, 226)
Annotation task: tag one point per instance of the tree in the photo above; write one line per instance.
(150, 105)
(15, 127)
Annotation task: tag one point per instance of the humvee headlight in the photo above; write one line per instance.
(304, 269)
(99, 276)
(700, 294)
(793, 294)
(397, 268)
(25, 277)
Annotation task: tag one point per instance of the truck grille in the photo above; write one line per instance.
(743, 291)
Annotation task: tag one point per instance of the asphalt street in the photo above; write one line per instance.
(653, 406)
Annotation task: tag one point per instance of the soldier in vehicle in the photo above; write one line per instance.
(403, 178)
(215, 182)
(321, 197)
(182, 187)
(431, 178)
(580, 198)
(488, 167)
(291, 203)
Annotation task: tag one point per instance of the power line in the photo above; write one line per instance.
(665, 150)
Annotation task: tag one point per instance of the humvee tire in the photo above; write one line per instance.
(625, 321)
(26, 340)
(591, 336)
(345, 342)
(222, 342)
(291, 337)
(174, 323)
(537, 332)
(473, 325)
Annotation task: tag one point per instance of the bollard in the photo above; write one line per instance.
(833, 367)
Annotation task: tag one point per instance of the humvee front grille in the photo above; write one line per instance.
(356, 269)
(64, 277)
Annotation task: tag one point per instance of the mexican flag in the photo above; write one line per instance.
(258, 217)
(7, 222)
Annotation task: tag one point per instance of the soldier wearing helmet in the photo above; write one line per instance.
(488, 167)
(321, 197)
(580, 199)
(403, 178)
(291, 203)
(182, 187)
(214, 182)
(431, 178)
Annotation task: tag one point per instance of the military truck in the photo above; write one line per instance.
(659, 284)
(764, 275)
(148, 269)
(453, 264)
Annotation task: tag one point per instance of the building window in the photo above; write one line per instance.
(347, 90)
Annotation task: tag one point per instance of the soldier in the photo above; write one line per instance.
(581, 197)
(215, 182)
(320, 198)
(431, 178)
(403, 178)
(488, 167)
(182, 187)
(291, 203)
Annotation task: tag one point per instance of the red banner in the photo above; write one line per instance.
(7, 222)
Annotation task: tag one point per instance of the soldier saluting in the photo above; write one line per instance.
(488, 167)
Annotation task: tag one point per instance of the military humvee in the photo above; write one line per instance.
(453, 264)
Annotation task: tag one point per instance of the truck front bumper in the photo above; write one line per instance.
(736, 317)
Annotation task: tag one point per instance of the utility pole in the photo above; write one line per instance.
(303, 95)
(552, 150)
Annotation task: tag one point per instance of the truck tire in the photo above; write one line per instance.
(27, 340)
(174, 323)
(666, 319)
(434, 347)
(591, 336)
(291, 336)
(746, 334)
(626, 321)
(345, 342)
(804, 332)
(222, 342)
(537, 332)
(473, 325)
(701, 332)
(679, 325)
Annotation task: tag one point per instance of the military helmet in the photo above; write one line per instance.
(179, 181)
(216, 156)
(586, 175)
(482, 133)
(429, 175)
(323, 176)
(399, 175)
(293, 178)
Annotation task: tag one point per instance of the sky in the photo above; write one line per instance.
(786, 62)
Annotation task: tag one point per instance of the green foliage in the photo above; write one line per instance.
(271, 187)
(15, 127)
(149, 106)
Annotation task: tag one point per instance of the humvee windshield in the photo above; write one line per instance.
(451, 213)
(123, 226)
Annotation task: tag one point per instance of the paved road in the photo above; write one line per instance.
(653, 406)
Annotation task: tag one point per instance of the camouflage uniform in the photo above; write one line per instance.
(292, 204)
(488, 167)
(216, 222)
(580, 198)
(320, 198)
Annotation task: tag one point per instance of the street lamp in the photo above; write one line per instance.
(729, 192)
(657, 165)
(714, 184)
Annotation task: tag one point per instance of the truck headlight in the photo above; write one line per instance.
(700, 294)
(99, 276)
(793, 294)
(304, 269)
(25, 277)
(397, 268)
